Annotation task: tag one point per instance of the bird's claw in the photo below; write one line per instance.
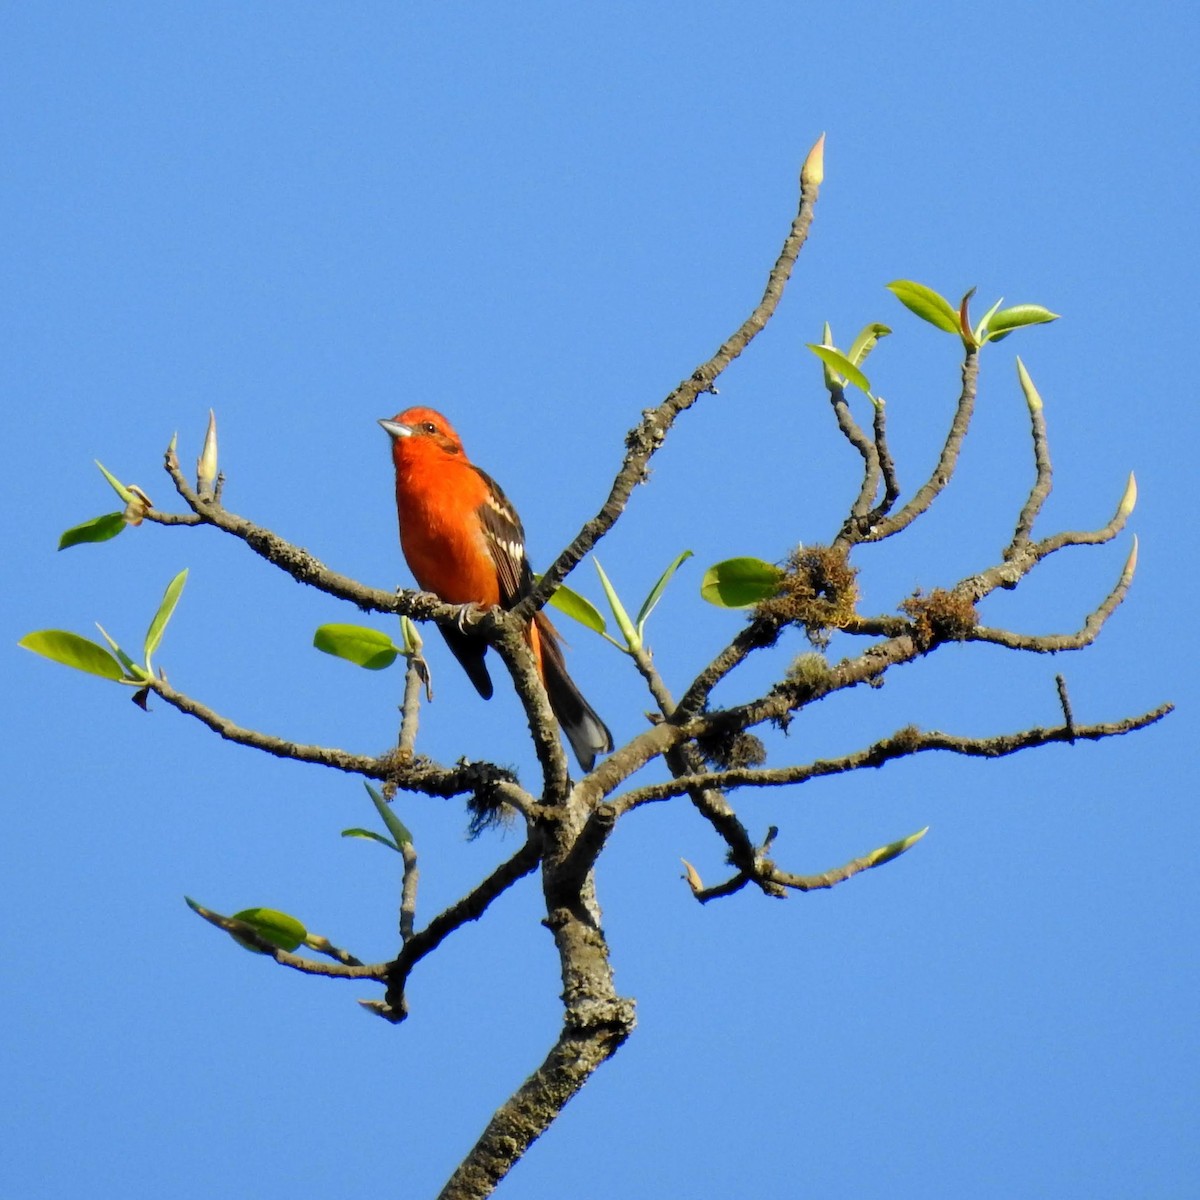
(468, 614)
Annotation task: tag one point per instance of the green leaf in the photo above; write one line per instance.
(740, 582)
(372, 836)
(98, 529)
(276, 927)
(841, 365)
(73, 651)
(357, 644)
(648, 605)
(865, 342)
(159, 624)
(981, 330)
(1006, 320)
(131, 668)
(127, 497)
(578, 607)
(632, 638)
(929, 305)
(886, 853)
(396, 827)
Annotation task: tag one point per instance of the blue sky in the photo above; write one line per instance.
(539, 223)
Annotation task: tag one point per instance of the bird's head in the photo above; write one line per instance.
(421, 430)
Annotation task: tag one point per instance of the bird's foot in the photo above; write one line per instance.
(470, 614)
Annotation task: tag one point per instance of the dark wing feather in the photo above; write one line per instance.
(506, 543)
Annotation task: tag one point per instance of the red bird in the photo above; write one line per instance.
(464, 542)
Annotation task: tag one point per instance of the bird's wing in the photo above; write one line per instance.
(506, 543)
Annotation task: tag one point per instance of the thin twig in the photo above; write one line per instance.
(470, 908)
(247, 933)
(416, 776)
(1065, 700)
(416, 676)
(1052, 643)
(645, 439)
(902, 744)
(1043, 481)
(408, 891)
(942, 473)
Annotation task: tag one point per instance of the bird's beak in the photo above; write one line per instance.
(395, 430)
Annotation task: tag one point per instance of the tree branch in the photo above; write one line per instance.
(644, 440)
(902, 744)
(470, 908)
(942, 473)
(416, 775)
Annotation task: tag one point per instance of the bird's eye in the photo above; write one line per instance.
(429, 427)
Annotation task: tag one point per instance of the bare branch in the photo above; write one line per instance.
(408, 891)
(1052, 643)
(854, 435)
(1009, 573)
(891, 484)
(643, 441)
(942, 473)
(322, 945)
(902, 744)
(295, 561)
(417, 775)
(1042, 481)
(758, 635)
(416, 676)
(470, 908)
(1065, 700)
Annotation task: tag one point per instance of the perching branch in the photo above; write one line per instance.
(417, 775)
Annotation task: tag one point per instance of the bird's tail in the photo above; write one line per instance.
(585, 731)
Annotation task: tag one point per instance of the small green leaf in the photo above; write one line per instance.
(648, 605)
(131, 668)
(372, 836)
(886, 853)
(578, 607)
(276, 927)
(929, 305)
(632, 638)
(73, 651)
(841, 365)
(357, 644)
(740, 582)
(396, 827)
(159, 624)
(981, 330)
(127, 497)
(1006, 320)
(98, 529)
(866, 342)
